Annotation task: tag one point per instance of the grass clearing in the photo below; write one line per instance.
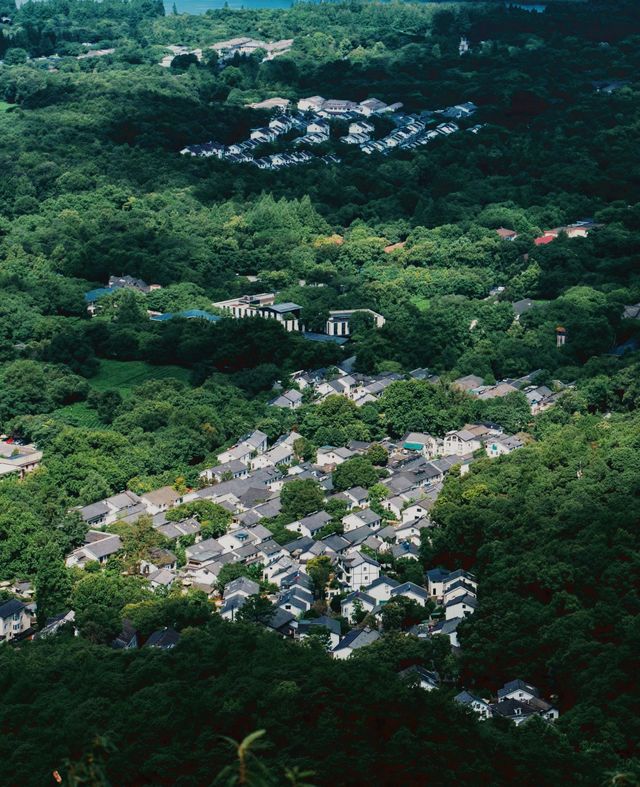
(123, 376)
(420, 302)
(4, 107)
(79, 415)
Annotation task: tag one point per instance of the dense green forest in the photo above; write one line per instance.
(92, 184)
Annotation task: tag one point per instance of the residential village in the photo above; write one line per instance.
(354, 536)
(310, 125)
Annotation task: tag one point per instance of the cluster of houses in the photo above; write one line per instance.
(337, 326)
(356, 543)
(115, 283)
(227, 50)
(540, 397)
(243, 152)
(366, 389)
(579, 229)
(311, 123)
(247, 481)
(516, 701)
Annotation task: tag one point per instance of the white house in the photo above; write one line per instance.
(162, 499)
(359, 518)
(476, 704)
(18, 459)
(435, 582)
(461, 442)
(517, 690)
(499, 446)
(14, 619)
(278, 455)
(413, 531)
(380, 590)
(310, 525)
(303, 628)
(419, 441)
(311, 104)
(255, 443)
(358, 638)
(448, 628)
(328, 455)
(318, 127)
(421, 678)
(414, 512)
(359, 570)
(460, 607)
(371, 106)
(457, 590)
(357, 600)
(361, 127)
(412, 591)
(98, 546)
(456, 576)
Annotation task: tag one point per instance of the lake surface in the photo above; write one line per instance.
(537, 7)
(200, 6)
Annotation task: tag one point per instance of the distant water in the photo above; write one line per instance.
(537, 7)
(200, 6)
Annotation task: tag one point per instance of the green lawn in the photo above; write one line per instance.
(420, 302)
(4, 107)
(80, 415)
(122, 376)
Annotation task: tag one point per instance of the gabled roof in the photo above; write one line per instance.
(11, 607)
(164, 639)
(446, 626)
(415, 670)
(470, 601)
(516, 685)
(329, 623)
(410, 587)
(357, 639)
(513, 708)
(366, 516)
(438, 574)
(359, 595)
(466, 698)
(384, 580)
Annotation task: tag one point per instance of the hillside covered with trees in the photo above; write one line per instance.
(93, 185)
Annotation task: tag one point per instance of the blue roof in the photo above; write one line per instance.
(199, 313)
(189, 314)
(437, 574)
(323, 337)
(99, 292)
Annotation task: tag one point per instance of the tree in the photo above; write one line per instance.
(320, 569)
(301, 497)
(231, 571)
(377, 455)
(15, 56)
(256, 609)
(214, 519)
(357, 471)
(106, 404)
(304, 449)
(98, 601)
(52, 583)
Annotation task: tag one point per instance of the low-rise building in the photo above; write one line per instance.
(98, 547)
(14, 619)
(18, 459)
